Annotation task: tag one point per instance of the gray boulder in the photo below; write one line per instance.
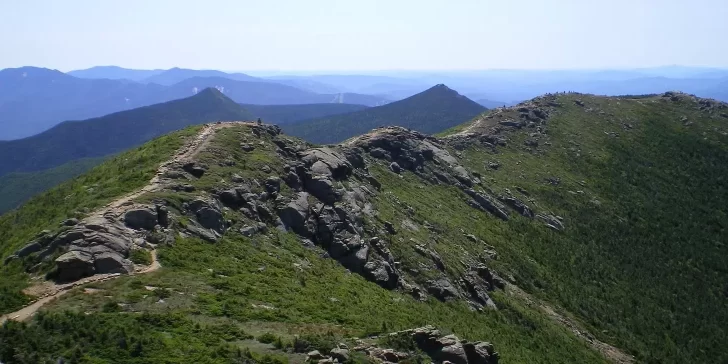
(336, 162)
(70, 222)
(250, 230)
(394, 166)
(517, 205)
(231, 198)
(381, 273)
(162, 215)
(442, 289)
(112, 263)
(452, 350)
(462, 175)
(194, 169)
(205, 234)
(141, 218)
(295, 213)
(292, 180)
(210, 218)
(273, 185)
(480, 353)
(487, 204)
(323, 189)
(342, 355)
(29, 249)
(320, 168)
(379, 153)
(75, 265)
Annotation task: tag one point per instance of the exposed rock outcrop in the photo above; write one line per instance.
(440, 348)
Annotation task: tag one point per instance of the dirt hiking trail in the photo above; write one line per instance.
(47, 291)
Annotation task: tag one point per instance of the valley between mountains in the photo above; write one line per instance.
(553, 231)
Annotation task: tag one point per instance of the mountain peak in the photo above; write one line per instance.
(212, 94)
(431, 111)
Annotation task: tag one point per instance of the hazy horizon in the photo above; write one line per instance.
(373, 36)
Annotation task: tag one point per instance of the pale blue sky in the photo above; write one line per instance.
(363, 34)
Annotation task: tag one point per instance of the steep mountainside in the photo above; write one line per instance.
(567, 229)
(431, 111)
(114, 133)
(285, 114)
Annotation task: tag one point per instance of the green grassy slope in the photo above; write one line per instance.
(115, 177)
(16, 188)
(643, 192)
(431, 111)
(270, 283)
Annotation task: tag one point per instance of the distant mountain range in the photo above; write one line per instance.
(34, 99)
(434, 110)
(116, 132)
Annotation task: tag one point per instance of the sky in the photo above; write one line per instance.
(351, 35)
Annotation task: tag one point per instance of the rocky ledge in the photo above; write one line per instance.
(428, 340)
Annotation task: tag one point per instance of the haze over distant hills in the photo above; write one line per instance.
(34, 99)
(432, 111)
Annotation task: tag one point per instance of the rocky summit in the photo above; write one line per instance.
(551, 231)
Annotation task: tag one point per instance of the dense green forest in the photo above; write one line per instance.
(16, 188)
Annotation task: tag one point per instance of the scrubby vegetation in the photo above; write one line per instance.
(642, 189)
(114, 338)
(278, 280)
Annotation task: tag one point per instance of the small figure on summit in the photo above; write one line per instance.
(259, 121)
